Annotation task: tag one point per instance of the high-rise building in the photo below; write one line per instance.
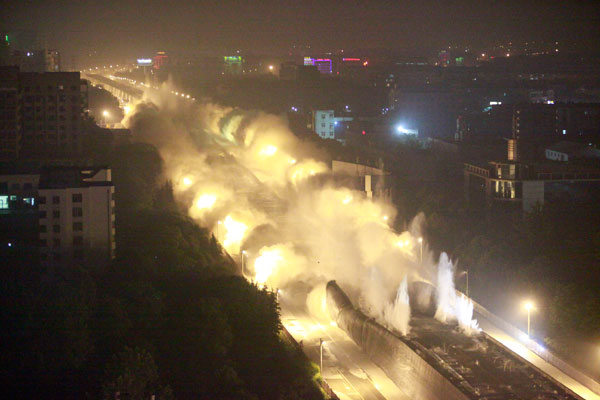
(323, 123)
(233, 65)
(37, 60)
(52, 106)
(160, 60)
(10, 118)
(324, 65)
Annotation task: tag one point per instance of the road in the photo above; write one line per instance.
(519, 348)
(347, 370)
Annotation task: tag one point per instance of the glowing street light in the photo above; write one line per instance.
(244, 256)
(271, 68)
(187, 181)
(529, 306)
(466, 274)
(321, 354)
(105, 114)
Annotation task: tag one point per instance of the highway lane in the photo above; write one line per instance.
(347, 370)
(519, 348)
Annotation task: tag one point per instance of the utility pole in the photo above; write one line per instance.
(321, 354)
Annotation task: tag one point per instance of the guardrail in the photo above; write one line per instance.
(544, 354)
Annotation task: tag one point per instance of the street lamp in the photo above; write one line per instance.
(243, 256)
(466, 274)
(105, 114)
(420, 240)
(529, 306)
(321, 354)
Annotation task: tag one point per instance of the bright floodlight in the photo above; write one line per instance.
(402, 130)
(105, 113)
(529, 305)
(420, 240)
(187, 181)
(270, 68)
(268, 150)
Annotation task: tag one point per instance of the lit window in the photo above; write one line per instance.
(3, 202)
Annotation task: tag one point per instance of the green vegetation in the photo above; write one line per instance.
(168, 317)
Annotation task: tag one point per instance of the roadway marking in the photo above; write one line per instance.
(294, 325)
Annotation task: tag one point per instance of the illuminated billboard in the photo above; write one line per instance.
(324, 65)
(145, 62)
(233, 59)
(233, 65)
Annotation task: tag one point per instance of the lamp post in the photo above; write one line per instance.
(466, 274)
(420, 240)
(243, 256)
(529, 306)
(321, 354)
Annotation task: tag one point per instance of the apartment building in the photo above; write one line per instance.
(76, 215)
(67, 213)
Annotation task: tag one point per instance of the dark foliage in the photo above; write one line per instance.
(167, 317)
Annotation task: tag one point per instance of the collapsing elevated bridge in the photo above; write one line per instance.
(436, 361)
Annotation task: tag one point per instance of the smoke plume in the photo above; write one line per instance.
(261, 190)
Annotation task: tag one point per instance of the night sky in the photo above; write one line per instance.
(131, 27)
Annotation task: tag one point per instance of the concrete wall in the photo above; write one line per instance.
(533, 192)
(403, 365)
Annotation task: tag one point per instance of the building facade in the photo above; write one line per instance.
(520, 186)
(66, 213)
(10, 113)
(41, 115)
(77, 215)
(323, 123)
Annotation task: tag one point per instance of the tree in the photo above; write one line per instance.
(133, 374)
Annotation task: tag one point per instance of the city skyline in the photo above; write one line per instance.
(420, 28)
